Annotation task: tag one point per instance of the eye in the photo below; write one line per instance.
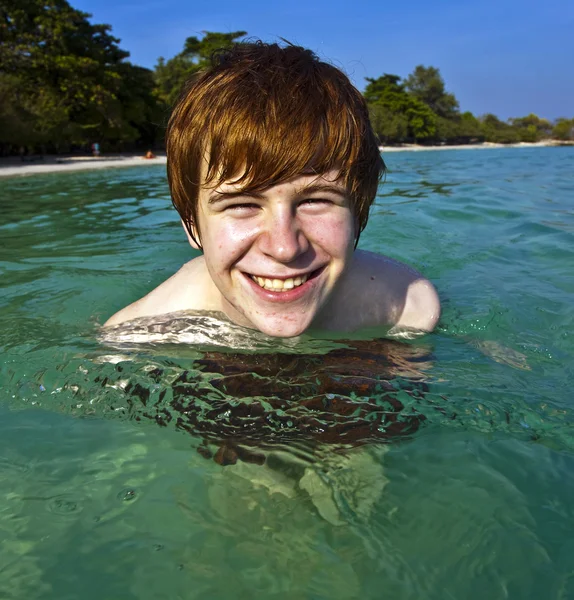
(241, 207)
(316, 202)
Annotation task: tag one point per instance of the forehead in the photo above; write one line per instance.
(296, 185)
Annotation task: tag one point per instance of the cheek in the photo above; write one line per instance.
(236, 239)
(334, 234)
(226, 242)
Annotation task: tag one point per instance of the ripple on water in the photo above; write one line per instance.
(10, 465)
(463, 515)
(68, 504)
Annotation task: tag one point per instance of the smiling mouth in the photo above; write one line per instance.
(281, 285)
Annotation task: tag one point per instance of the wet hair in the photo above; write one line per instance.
(262, 114)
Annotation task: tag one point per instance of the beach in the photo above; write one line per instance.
(12, 166)
(483, 146)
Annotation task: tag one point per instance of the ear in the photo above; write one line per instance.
(192, 238)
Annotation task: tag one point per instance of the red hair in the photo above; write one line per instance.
(263, 114)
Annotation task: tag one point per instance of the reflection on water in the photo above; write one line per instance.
(345, 393)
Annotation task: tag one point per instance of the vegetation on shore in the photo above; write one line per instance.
(65, 83)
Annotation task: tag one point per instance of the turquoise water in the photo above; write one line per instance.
(133, 470)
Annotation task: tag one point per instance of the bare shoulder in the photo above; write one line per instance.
(179, 292)
(422, 306)
(393, 293)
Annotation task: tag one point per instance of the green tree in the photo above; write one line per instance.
(531, 128)
(171, 75)
(497, 131)
(68, 77)
(397, 116)
(390, 127)
(462, 129)
(563, 129)
(427, 84)
(142, 112)
(469, 129)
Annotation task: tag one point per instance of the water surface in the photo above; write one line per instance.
(133, 470)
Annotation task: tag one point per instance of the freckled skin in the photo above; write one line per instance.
(302, 227)
(284, 233)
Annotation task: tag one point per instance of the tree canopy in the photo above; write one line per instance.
(563, 129)
(398, 116)
(426, 84)
(171, 75)
(65, 82)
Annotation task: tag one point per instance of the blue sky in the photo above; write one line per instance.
(505, 57)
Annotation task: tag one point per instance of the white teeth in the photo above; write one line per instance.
(279, 285)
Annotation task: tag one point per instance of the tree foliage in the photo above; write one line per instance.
(563, 129)
(397, 116)
(498, 131)
(420, 109)
(171, 75)
(531, 128)
(427, 84)
(66, 81)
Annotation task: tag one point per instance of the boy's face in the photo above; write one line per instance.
(276, 257)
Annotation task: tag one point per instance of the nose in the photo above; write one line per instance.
(283, 238)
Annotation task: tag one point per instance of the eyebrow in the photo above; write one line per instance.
(221, 196)
(323, 187)
(312, 188)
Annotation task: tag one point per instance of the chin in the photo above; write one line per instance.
(282, 330)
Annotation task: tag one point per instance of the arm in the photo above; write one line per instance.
(391, 294)
(421, 308)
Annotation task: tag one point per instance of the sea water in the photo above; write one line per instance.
(436, 468)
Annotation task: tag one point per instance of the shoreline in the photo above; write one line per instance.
(482, 146)
(14, 167)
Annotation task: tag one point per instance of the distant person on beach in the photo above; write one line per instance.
(148, 155)
(273, 166)
(95, 149)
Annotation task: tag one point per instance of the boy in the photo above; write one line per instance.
(273, 166)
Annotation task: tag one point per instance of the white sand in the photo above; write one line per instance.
(485, 145)
(55, 164)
